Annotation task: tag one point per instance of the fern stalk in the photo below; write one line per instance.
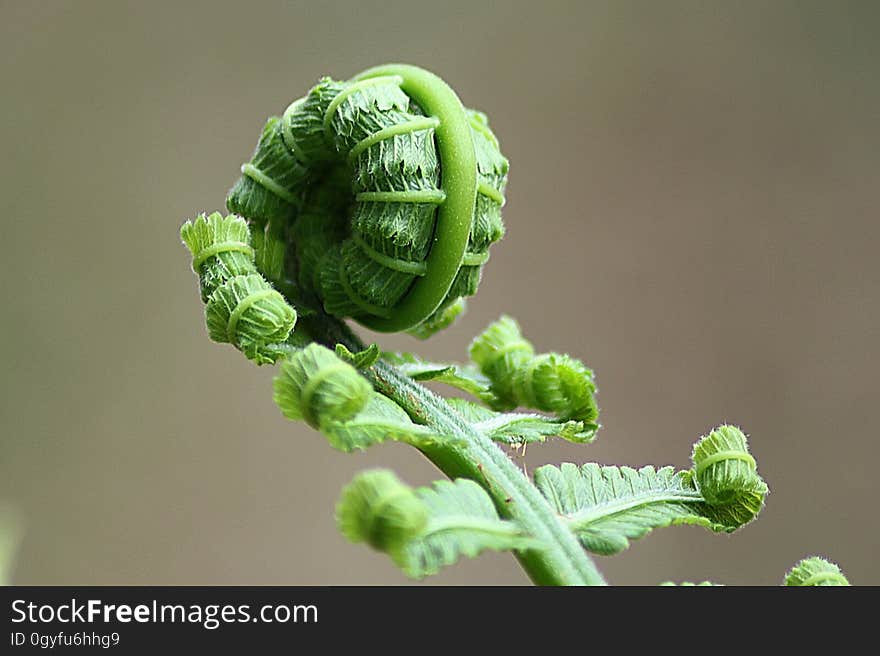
(562, 561)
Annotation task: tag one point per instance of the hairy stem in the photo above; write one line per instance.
(563, 560)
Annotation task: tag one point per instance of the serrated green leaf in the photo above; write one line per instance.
(379, 421)
(815, 571)
(522, 428)
(462, 521)
(609, 506)
(550, 382)
(381, 510)
(360, 360)
(464, 377)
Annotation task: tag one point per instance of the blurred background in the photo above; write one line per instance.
(692, 210)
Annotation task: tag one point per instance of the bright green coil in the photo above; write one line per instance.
(386, 193)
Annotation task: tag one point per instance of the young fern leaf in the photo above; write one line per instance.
(316, 386)
(379, 509)
(609, 506)
(221, 249)
(462, 522)
(380, 420)
(520, 428)
(425, 529)
(512, 428)
(241, 306)
(391, 190)
(329, 394)
(249, 313)
(466, 378)
(362, 359)
(815, 571)
(550, 382)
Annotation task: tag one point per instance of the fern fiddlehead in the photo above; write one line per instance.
(609, 506)
(809, 572)
(314, 385)
(548, 381)
(377, 199)
(241, 306)
(392, 190)
(815, 571)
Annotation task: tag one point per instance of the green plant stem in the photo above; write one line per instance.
(563, 560)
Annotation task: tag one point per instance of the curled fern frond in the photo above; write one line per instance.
(427, 528)
(390, 192)
(500, 352)
(609, 506)
(559, 384)
(270, 182)
(248, 312)
(220, 247)
(510, 428)
(726, 475)
(377, 508)
(241, 307)
(815, 571)
(550, 382)
(316, 386)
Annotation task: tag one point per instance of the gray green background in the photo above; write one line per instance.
(692, 210)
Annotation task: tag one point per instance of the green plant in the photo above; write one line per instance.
(377, 199)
